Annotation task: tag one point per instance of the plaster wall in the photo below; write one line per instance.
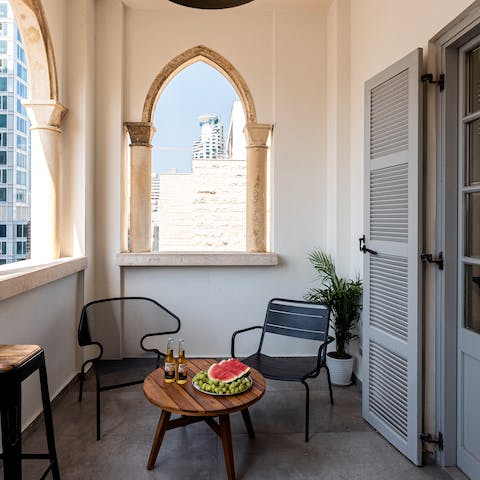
(45, 316)
(282, 60)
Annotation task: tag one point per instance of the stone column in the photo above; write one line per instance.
(257, 152)
(46, 118)
(141, 134)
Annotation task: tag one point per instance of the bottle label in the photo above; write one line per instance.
(169, 370)
(182, 369)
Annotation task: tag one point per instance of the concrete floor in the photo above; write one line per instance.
(342, 446)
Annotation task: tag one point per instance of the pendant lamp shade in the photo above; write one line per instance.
(211, 4)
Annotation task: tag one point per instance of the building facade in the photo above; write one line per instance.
(210, 144)
(14, 143)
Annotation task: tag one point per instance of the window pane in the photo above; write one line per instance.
(3, 84)
(3, 121)
(472, 225)
(3, 230)
(473, 90)
(3, 10)
(3, 194)
(472, 167)
(472, 298)
(3, 157)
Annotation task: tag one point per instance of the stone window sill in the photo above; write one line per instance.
(196, 259)
(20, 277)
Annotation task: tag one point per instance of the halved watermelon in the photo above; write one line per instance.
(228, 370)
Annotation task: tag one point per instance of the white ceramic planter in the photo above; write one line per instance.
(340, 370)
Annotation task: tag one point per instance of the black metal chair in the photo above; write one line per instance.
(126, 332)
(299, 319)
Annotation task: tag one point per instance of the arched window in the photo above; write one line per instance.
(40, 103)
(199, 164)
(141, 133)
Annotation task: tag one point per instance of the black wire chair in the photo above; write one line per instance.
(299, 319)
(125, 332)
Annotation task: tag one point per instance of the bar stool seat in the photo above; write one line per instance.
(17, 362)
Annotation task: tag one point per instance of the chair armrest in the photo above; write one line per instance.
(148, 335)
(243, 330)
(322, 351)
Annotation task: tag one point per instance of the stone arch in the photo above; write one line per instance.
(187, 58)
(141, 134)
(42, 72)
(46, 115)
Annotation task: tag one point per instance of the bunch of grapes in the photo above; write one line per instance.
(202, 381)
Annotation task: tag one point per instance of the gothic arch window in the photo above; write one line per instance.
(141, 134)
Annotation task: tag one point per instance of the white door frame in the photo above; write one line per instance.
(443, 152)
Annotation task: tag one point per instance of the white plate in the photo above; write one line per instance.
(225, 394)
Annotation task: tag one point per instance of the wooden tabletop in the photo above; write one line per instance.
(187, 400)
(12, 356)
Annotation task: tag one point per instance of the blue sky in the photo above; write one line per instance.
(196, 90)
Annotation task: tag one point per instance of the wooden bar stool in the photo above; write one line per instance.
(17, 362)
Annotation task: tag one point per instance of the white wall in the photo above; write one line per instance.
(45, 316)
(282, 60)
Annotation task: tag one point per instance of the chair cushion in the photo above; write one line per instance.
(283, 368)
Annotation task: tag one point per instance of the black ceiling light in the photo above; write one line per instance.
(211, 4)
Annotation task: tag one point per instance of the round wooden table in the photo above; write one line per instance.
(195, 406)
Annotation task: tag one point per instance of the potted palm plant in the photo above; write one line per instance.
(343, 296)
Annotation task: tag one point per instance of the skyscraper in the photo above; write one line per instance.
(210, 144)
(14, 143)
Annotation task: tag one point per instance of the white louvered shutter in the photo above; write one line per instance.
(392, 389)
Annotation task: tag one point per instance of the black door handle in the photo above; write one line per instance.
(364, 248)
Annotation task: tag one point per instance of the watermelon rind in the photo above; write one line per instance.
(228, 371)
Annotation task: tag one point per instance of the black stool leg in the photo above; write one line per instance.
(11, 431)
(47, 415)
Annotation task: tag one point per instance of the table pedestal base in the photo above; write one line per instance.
(222, 429)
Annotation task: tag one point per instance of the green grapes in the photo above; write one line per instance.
(217, 387)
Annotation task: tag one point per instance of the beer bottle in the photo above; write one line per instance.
(169, 365)
(182, 363)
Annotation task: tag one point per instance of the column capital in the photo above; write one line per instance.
(141, 133)
(45, 114)
(257, 134)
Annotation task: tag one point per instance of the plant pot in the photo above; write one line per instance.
(340, 369)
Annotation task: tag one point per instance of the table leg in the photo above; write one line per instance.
(158, 438)
(226, 436)
(248, 423)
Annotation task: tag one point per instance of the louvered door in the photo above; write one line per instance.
(392, 356)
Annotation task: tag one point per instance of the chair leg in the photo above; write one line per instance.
(307, 408)
(82, 376)
(329, 385)
(98, 404)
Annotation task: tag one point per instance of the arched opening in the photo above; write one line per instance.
(199, 164)
(141, 133)
(185, 59)
(45, 114)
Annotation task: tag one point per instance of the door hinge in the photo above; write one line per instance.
(428, 78)
(428, 438)
(428, 258)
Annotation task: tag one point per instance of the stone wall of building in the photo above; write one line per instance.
(204, 210)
